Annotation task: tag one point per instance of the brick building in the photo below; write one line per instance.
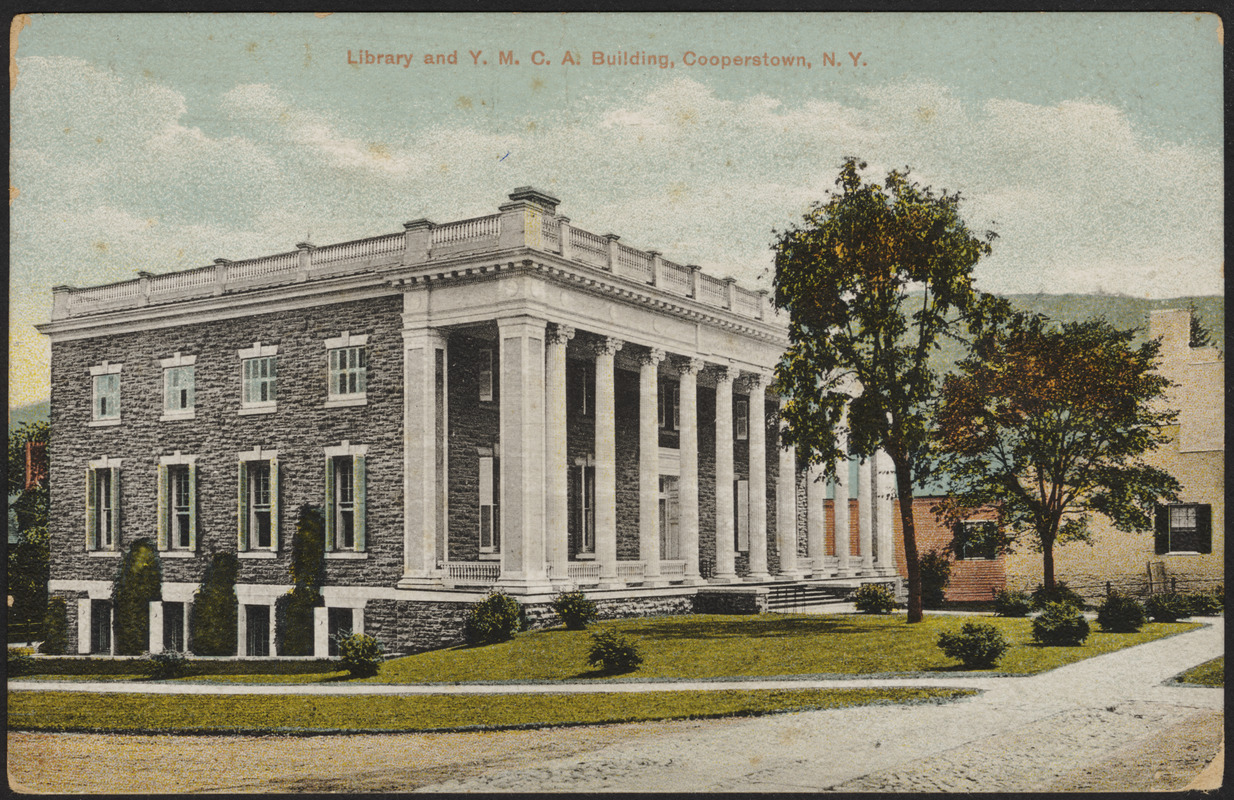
(507, 401)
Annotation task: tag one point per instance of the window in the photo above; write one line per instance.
(741, 507)
(258, 501)
(348, 370)
(741, 420)
(485, 379)
(103, 504)
(177, 503)
(1184, 528)
(345, 498)
(585, 475)
(105, 403)
(976, 539)
(490, 530)
(669, 407)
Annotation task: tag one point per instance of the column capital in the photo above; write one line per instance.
(652, 357)
(560, 334)
(691, 366)
(607, 346)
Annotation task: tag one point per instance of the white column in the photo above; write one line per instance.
(687, 484)
(843, 538)
(423, 449)
(725, 553)
(816, 516)
(521, 435)
(83, 625)
(321, 632)
(886, 508)
(556, 509)
(865, 514)
(786, 507)
(606, 463)
(757, 385)
(156, 627)
(649, 465)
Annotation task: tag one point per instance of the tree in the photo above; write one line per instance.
(1047, 425)
(139, 581)
(216, 609)
(872, 281)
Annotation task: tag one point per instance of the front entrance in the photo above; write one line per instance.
(257, 630)
(100, 626)
(670, 519)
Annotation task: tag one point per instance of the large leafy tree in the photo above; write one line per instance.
(872, 281)
(1049, 424)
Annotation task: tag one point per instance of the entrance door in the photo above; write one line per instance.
(670, 515)
(257, 628)
(100, 626)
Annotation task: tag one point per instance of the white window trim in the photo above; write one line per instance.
(178, 360)
(106, 368)
(258, 350)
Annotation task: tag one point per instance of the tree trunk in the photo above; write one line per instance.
(904, 488)
(1047, 555)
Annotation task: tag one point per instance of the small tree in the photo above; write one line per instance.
(138, 582)
(935, 575)
(216, 608)
(294, 610)
(1049, 424)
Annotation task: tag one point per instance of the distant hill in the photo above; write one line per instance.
(34, 412)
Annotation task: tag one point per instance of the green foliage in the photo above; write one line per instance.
(360, 654)
(1049, 424)
(1167, 607)
(874, 598)
(1060, 624)
(294, 611)
(55, 628)
(28, 571)
(978, 645)
(1119, 613)
(139, 581)
(215, 608)
(935, 575)
(873, 280)
(575, 610)
(1202, 604)
(612, 652)
(494, 619)
(168, 664)
(1060, 593)
(1012, 604)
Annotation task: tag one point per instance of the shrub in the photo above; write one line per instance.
(935, 569)
(1201, 604)
(168, 664)
(874, 598)
(1060, 624)
(1121, 614)
(140, 580)
(612, 652)
(20, 661)
(55, 628)
(360, 654)
(1059, 594)
(1168, 607)
(496, 618)
(215, 608)
(575, 610)
(293, 612)
(1012, 604)
(978, 645)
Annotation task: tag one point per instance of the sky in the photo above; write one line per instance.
(1090, 143)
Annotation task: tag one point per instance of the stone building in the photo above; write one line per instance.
(507, 401)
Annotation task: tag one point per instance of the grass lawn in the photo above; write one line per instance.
(299, 713)
(709, 646)
(1210, 673)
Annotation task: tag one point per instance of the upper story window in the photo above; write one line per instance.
(179, 387)
(348, 370)
(669, 407)
(177, 521)
(1184, 528)
(258, 379)
(741, 420)
(345, 498)
(105, 405)
(103, 504)
(258, 493)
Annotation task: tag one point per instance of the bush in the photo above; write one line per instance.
(575, 610)
(1012, 604)
(612, 652)
(1121, 614)
(496, 618)
(978, 645)
(1059, 594)
(168, 664)
(293, 612)
(874, 598)
(1168, 607)
(360, 654)
(20, 661)
(215, 608)
(139, 581)
(1202, 604)
(55, 628)
(935, 568)
(1060, 624)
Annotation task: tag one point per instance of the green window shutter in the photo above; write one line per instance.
(274, 504)
(1204, 528)
(242, 507)
(193, 507)
(164, 506)
(92, 528)
(357, 477)
(1161, 535)
(115, 509)
(329, 503)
